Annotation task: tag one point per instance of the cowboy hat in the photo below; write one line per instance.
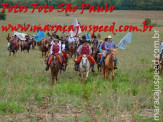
(55, 39)
(109, 37)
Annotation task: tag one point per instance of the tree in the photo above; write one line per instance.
(2, 16)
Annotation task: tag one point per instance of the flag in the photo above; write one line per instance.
(75, 24)
(39, 35)
(21, 36)
(87, 36)
(127, 39)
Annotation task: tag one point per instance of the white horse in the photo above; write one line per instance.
(84, 66)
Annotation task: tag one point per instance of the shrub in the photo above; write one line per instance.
(2, 16)
(148, 21)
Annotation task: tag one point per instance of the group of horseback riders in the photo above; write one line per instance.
(60, 48)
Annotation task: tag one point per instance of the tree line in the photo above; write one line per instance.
(119, 4)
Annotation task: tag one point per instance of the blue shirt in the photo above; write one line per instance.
(161, 46)
(100, 47)
(109, 45)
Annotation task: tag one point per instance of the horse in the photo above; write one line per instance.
(98, 36)
(94, 50)
(108, 64)
(55, 67)
(161, 65)
(33, 43)
(12, 48)
(84, 66)
(8, 39)
(26, 47)
(45, 47)
(72, 48)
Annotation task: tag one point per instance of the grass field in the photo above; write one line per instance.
(26, 93)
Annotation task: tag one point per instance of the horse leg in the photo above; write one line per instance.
(103, 71)
(112, 74)
(81, 77)
(42, 54)
(56, 77)
(87, 75)
(107, 74)
(52, 79)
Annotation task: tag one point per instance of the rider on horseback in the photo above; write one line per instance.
(84, 49)
(161, 52)
(55, 49)
(108, 45)
(15, 41)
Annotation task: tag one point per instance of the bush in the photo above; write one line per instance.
(67, 14)
(2, 16)
(148, 21)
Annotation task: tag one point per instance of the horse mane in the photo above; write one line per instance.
(108, 60)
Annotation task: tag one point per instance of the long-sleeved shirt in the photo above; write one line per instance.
(109, 45)
(79, 50)
(161, 46)
(71, 39)
(100, 47)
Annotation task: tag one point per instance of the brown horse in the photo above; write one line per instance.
(161, 65)
(108, 65)
(72, 48)
(45, 47)
(33, 43)
(94, 50)
(8, 37)
(55, 66)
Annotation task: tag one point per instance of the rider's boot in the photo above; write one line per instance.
(93, 69)
(76, 67)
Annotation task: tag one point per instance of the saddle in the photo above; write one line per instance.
(51, 58)
(90, 58)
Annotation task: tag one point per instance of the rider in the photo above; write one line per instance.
(15, 40)
(95, 41)
(102, 50)
(108, 46)
(84, 49)
(55, 49)
(161, 52)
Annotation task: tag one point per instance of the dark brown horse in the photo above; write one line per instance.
(108, 65)
(12, 48)
(72, 48)
(33, 43)
(161, 67)
(26, 46)
(55, 66)
(94, 50)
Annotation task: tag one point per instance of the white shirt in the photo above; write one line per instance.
(63, 47)
(71, 39)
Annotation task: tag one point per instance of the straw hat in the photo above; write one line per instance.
(100, 41)
(109, 37)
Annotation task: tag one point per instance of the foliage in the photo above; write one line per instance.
(2, 16)
(148, 21)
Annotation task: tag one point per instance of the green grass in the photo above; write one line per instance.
(26, 93)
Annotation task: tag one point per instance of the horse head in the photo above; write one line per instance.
(55, 61)
(113, 53)
(84, 61)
